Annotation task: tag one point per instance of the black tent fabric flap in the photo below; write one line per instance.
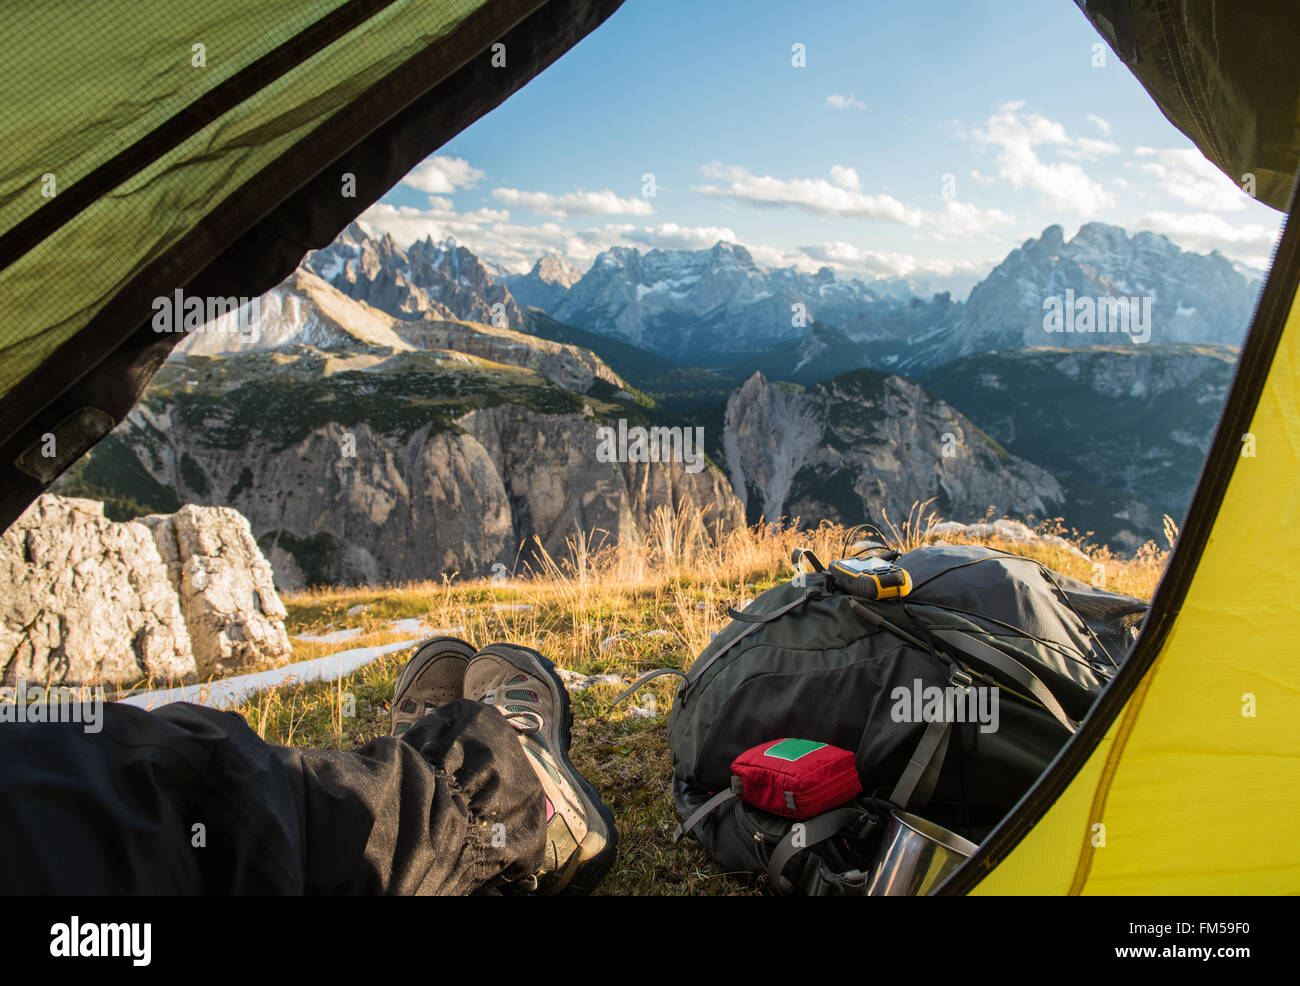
(1224, 74)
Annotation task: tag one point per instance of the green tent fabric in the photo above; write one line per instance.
(148, 152)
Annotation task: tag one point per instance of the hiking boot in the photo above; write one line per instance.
(581, 841)
(432, 678)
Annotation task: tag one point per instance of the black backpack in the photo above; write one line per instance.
(809, 660)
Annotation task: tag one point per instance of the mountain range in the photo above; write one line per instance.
(403, 413)
(716, 307)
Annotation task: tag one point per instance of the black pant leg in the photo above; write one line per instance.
(189, 800)
(380, 821)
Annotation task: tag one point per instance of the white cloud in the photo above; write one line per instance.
(489, 234)
(1185, 174)
(1062, 185)
(772, 257)
(1250, 243)
(671, 236)
(407, 223)
(849, 102)
(602, 203)
(842, 197)
(1101, 124)
(1090, 148)
(518, 247)
(963, 220)
(815, 195)
(845, 177)
(716, 169)
(875, 263)
(442, 175)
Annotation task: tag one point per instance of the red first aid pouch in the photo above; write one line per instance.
(796, 778)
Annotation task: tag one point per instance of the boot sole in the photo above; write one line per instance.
(435, 646)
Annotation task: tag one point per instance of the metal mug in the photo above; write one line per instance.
(917, 856)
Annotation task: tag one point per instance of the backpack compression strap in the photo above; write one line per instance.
(985, 659)
(993, 661)
(803, 835)
(705, 810)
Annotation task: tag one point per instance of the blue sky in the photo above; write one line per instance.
(924, 139)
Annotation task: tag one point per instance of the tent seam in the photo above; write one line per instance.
(1083, 868)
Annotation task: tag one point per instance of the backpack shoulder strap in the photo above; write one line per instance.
(991, 660)
(755, 621)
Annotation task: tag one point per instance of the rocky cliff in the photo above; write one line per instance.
(546, 284)
(427, 280)
(1124, 428)
(866, 445)
(406, 449)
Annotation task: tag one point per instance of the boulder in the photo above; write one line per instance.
(85, 599)
(225, 587)
(167, 598)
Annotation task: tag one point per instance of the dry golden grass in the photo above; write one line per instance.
(622, 611)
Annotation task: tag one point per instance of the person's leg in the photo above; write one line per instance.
(450, 808)
(190, 800)
(183, 801)
(518, 687)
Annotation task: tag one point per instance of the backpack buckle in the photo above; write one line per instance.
(848, 882)
(960, 677)
(854, 880)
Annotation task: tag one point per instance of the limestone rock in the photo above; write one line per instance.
(84, 599)
(570, 366)
(225, 588)
(168, 597)
(864, 447)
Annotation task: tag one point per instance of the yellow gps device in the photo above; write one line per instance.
(871, 578)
